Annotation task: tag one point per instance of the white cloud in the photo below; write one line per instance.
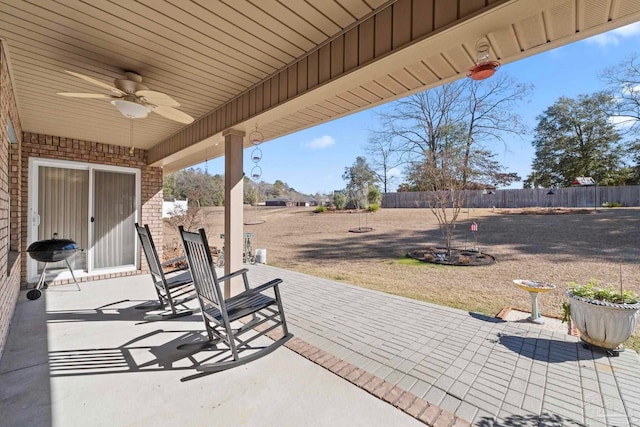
(393, 172)
(321, 143)
(623, 121)
(614, 37)
(628, 30)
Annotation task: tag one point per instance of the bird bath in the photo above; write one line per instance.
(534, 288)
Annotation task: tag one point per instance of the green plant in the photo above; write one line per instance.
(566, 312)
(611, 204)
(340, 200)
(320, 209)
(373, 207)
(374, 197)
(593, 290)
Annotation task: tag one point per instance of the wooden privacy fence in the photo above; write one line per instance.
(571, 197)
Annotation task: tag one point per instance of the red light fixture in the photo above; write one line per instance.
(484, 68)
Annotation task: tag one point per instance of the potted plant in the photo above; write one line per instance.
(606, 317)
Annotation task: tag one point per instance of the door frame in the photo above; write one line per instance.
(33, 219)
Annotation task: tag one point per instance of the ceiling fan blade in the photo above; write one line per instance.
(97, 82)
(172, 113)
(84, 95)
(157, 98)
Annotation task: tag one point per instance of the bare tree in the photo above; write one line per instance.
(485, 109)
(443, 180)
(383, 157)
(359, 177)
(415, 123)
(623, 82)
(491, 114)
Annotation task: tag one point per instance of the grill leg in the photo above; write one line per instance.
(43, 276)
(35, 293)
(71, 271)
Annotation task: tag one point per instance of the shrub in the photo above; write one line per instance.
(189, 218)
(340, 200)
(374, 197)
(593, 290)
(373, 207)
(611, 204)
(320, 209)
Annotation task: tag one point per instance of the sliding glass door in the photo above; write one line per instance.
(113, 219)
(62, 211)
(96, 206)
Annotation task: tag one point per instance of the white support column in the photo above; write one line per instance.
(233, 208)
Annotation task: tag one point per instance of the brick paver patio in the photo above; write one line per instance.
(448, 361)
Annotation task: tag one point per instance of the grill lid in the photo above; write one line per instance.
(52, 250)
(51, 245)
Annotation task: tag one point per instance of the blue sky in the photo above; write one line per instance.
(314, 160)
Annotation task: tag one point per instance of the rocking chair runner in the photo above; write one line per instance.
(170, 285)
(218, 313)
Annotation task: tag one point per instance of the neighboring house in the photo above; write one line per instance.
(278, 202)
(287, 202)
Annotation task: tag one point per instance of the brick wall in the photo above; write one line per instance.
(9, 163)
(53, 147)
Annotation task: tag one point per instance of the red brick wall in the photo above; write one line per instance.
(53, 147)
(14, 179)
(9, 272)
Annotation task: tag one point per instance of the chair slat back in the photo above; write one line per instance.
(155, 266)
(203, 272)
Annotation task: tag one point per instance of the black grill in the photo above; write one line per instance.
(52, 250)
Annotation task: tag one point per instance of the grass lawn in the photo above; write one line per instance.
(559, 247)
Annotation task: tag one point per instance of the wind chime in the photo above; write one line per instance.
(256, 139)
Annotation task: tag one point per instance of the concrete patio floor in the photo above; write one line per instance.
(88, 358)
(77, 359)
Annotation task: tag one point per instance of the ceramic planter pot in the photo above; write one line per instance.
(601, 323)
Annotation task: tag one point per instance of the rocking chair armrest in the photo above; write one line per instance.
(234, 274)
(252, 291)
(265, 286)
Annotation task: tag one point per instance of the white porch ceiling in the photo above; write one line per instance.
(208, 54)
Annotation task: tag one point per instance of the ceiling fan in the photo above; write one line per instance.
(132, 98)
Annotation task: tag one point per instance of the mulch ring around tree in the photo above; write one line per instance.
(360, 230)
(459, 257)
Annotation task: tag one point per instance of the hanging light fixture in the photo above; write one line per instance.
(484, 68)
(131, 107)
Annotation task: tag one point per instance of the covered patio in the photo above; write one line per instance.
(220, 72)
(360, 357)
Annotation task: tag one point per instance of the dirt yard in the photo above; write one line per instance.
(558, 248)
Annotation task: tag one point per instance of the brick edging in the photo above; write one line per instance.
(420, 409)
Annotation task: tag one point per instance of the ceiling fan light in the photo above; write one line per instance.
(132, 110)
